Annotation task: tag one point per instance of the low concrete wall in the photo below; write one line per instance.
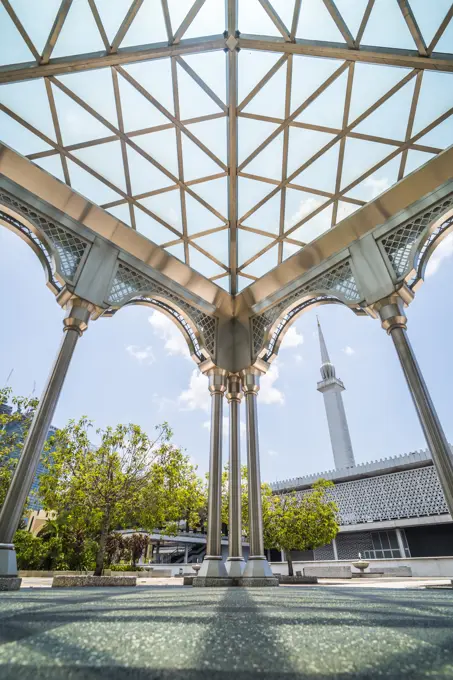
(332, 571)
(420, 566)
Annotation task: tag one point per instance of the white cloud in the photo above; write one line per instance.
(165, 329)
(298, 358)
(315, 226)
(272, 453)
(443, 250)
(268, 393)
(377, 186)
(292, 338)
(348, 350)
(142, 354)
(197, 395)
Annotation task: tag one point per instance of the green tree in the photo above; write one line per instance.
(266, 503)
(114, 548)
(136, 545)
(30, 550)
(301, 522)
(14, 427)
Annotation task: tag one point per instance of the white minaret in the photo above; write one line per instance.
(331, 388)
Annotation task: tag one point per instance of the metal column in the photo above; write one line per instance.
(235, 562)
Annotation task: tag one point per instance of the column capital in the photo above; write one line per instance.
(251, 380)
(391, 309)
(217, 380)
(78, 315)
(233, 392)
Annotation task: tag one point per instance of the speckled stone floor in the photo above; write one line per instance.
(175, 633)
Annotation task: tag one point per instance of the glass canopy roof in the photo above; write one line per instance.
(230, 132)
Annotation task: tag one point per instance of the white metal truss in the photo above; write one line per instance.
(286, 40)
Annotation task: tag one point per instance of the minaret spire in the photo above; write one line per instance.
(331, 388)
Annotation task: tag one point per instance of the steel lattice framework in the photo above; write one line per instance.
(288, 44)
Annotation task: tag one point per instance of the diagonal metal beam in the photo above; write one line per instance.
(55, 30)
(182, 195)
(265, 79)
(347, 105)
(99, 24)
(126, 24)
(364, 22)
(204, 86)
(413, 27)
(232, 145)
(56, 125)
(296, 15)
(410, 122)
(119, 113)
(440, 31)
(340, 22)
(190, 16)
(276, 20)
(15, 19)
(289, 76)
(167, 19)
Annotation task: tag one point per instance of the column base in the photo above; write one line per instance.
(257, 567)
(8, 563)
(241, 582)
(212, 567)
(235, 566)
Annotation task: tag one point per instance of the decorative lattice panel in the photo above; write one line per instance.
(129, 283)
(324, 553)
(410, 493)
(350, 545)
(421, 256)
(338, 281)
(70, 248)
(398, 244)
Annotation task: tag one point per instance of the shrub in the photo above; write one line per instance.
(124, 567)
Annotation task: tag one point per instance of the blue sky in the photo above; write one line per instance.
(134, 367)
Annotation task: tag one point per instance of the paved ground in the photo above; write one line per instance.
(175, 633)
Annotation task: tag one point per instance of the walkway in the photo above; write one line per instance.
(175, 633)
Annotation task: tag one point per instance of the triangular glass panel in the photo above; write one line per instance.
(285, 10)
(18, 137)
(13, 48)
(216, 244)
(299, 204)
(270, 100)
(178, 12)
(193, 101)
(390, 119)
(121, 212)
(322, 173)
(429, 18)
(415, 159)
(214, 192)
(112, 15)
(250, 192)
(252, 67)
(263, 264)
(378, 182)
(203, 264)
(162, 147)
(249, 244)
(155, 77)
(252, 133)
(303, 144)
(223, 282)
(152, 229)
(328, 108)
(177, 251)
(213, 134)
(386, 27)
(268, 163)
(144, 175)
(107, 160)
(314, 227)
(352, 13)
(345, 209)
(138, 112)
(211, 67)
(37, 19)
(96, 89)
(360, 156)
(445, 44)
(309, 73)
(371, 82)
(90, 186)
(267, 218)
(147, 27)
(199, 218)
(441, 136)
(79, 33)
(242, 283)
(29, 101)
(76, 124)
(436, 97)
(167, 206)
(315, 23)
(289, 249)
(52, 165)
(210, 20)
(196, 162)
(254, 19)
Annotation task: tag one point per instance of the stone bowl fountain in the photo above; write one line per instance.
(361, 565)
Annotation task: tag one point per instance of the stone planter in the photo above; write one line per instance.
(8, 583)
(93, 581)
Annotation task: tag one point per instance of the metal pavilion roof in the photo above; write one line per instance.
(230, 132)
